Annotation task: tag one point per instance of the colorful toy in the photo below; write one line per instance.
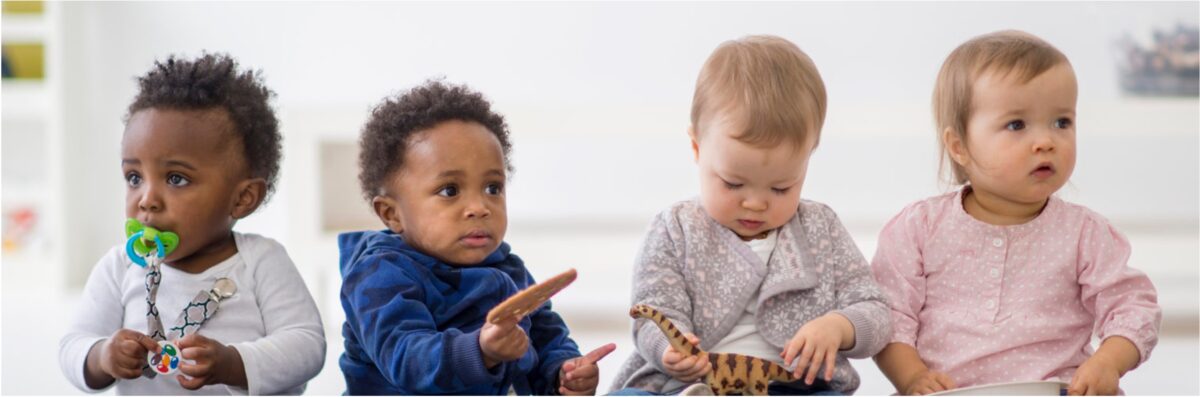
(139, 235)
(165, 360)
(731, 373)
(525, 302)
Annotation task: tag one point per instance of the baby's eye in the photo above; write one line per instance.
(177, 180)
(780, 191)
(494, 189)
(448, 191)
(1063, 123)
(1015, 125)
(133, 179)
(731, 186)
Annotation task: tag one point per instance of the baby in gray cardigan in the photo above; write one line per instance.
(749, 267)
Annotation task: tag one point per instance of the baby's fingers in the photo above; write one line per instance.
(598, 354)
(567, 369)
(806, 356)
(943, 381)
(127, 368)
(830, 360)
(192, 383)
(792, 351)
(815, 366)
(701, 368)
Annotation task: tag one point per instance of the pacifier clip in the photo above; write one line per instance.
(202, 307)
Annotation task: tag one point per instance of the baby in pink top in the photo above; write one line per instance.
(1001, 281)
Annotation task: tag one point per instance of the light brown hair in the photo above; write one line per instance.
(1004, 52)
(770, 88)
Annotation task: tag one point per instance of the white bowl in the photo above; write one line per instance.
(1035, 388)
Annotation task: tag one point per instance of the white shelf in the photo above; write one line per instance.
(14, 193)
(24, 28)
(26, 100)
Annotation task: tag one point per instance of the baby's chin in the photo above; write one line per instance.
(465, 259)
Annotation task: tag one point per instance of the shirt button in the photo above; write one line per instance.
(998, 242)
(990, 304)
(995, 272)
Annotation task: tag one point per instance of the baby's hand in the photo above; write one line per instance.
(579, 376)
(1095, 378)
(211, 363)
(502, 342)
(816, 343)
(928, 382)
(686, 368)
(124, 354)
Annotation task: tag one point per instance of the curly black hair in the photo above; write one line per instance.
(398, 118)
(214, 81)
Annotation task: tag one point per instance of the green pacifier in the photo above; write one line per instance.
(144, 240)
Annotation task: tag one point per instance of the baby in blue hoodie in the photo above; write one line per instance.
(433, 165)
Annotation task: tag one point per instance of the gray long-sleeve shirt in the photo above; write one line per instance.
(701, 276)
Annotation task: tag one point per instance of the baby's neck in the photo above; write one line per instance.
(207, 256)
(995, 210)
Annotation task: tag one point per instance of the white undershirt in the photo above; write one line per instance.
(272, 320)
(744, 338)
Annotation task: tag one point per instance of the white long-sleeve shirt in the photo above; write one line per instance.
(272, 320)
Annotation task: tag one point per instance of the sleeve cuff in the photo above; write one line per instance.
(652, 343)
(554, 363)
(465, 353)
(250, 365)
(81, 353)
(1144, 340)
(865, 338)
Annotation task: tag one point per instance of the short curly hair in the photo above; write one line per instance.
(393, 123)
(214, 81)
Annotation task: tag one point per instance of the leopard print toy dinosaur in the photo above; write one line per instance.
(731, 373)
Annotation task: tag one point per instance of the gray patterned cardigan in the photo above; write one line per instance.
(701, 275)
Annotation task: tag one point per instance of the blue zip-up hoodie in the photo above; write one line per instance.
(412, 322)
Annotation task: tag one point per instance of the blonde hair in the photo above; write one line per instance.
(771, 86)
(1004, 52)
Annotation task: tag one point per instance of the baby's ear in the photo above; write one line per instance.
(954, 146)
(691, 131)
(388, 212)
(249, 195)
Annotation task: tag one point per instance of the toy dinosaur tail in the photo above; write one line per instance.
(678, 341)
(777, 372)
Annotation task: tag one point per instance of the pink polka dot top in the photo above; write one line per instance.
(989, 304)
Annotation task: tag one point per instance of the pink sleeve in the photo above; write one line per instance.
(899, 270)
(1121, 298)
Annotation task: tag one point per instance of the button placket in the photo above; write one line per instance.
(995, 276)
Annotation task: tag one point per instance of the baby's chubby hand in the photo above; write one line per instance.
(503, 341)
(208, 362)
(1095, 378)
(816, 343)
(686, 367)
(928, 382)
(579, 376)
(123, 355)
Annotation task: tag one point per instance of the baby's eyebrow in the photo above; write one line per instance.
(450, 173)
(131, 162)
(494, 172)
(180, 164)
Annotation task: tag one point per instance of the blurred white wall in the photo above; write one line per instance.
(597, 97)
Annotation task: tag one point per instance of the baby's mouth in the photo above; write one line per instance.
(749, 224)
(477, 239)
(1043, 170)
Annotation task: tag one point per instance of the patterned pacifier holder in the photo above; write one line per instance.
(148, 247)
